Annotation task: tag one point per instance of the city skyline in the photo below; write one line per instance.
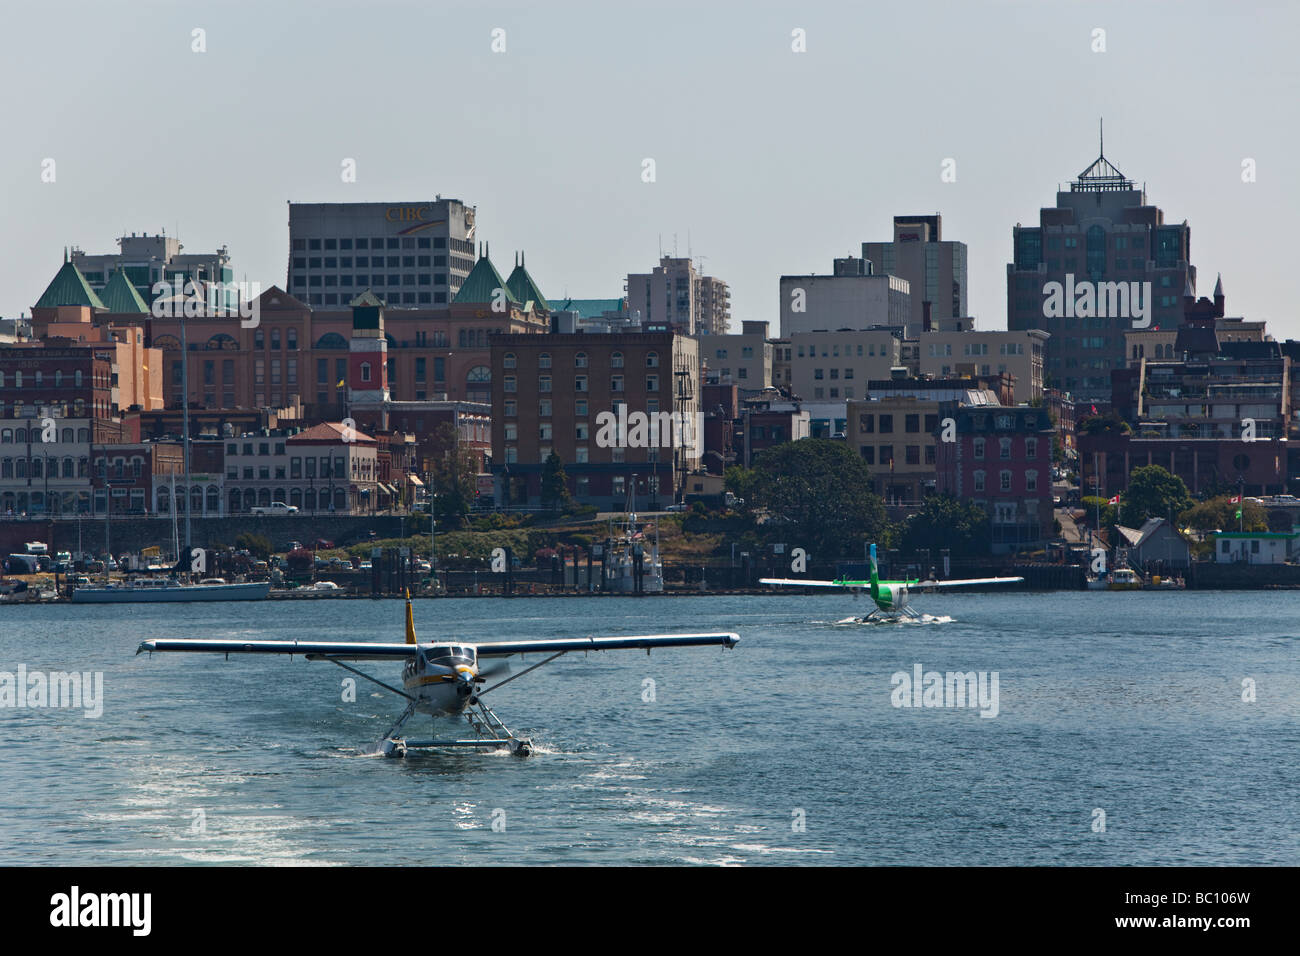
(549, 179)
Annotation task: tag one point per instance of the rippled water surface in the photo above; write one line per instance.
(788, 749)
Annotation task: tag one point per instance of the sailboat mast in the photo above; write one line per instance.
(185, 433)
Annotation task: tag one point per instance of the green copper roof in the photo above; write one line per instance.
(69, 288)
(481, 284)
(524, 289)
(367, 298)
(120, 296)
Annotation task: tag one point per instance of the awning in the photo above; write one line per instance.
(413, 479)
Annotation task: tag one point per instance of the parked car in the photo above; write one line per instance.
(275, 508)
(678, 508)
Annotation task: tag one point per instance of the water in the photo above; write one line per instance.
(1127, 703)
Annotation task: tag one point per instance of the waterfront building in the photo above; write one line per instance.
(934, 267)
(1081, 273)
(415, 254)
(143, 261)
(852, 298)
(743, 359)
(1001, 460)
(675, 296)
(549, 393)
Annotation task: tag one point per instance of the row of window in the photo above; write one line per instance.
(510, 360)
(19, 468)
(380, 242)
(365, 262)
(22, 435)
(363, 280)
(1004, 481)
(37, 379)
(616, 383)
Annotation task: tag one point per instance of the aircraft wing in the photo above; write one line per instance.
(646, 641)
(804, 583)
(338, 650)
(968, 581)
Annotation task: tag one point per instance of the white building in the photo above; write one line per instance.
(1256, 547)
(851, 298)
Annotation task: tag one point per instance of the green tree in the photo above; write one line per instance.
(1153, 493)
(1220, 514)
(255, 544)
(1092, 506)
(455, 476)
(947, 522)
(816, 495)
(555, 483)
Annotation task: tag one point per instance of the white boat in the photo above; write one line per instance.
(625, 548)
(156, 590)
(1121, 579)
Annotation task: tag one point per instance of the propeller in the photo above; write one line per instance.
(491, 670)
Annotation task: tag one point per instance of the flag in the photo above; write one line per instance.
(1094, 409)
(340, 384)
(1113, 501)
(1236, 499)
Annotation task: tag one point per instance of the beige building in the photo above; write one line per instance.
(743, 360)
(948, 354)
(895, 435)
(674, 295)
(829, 366)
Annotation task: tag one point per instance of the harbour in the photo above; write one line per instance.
(708, 763)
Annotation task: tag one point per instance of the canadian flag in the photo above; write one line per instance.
(1236, 499)
(1113, 501)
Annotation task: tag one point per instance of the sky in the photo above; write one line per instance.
(767, 161)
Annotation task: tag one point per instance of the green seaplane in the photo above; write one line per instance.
(891, 597)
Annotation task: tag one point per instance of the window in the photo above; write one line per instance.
(979, 452)
(652, 383)
(509, 360)
(616, 360)
(616, 383)
(512, 408)
(1031, 481)
(510, 384)
(580, 383)
(580, 360)
(652, 360)
(544, 360)
(544, 408)
(1005, 480)
(886, 424)
(365, 371)
(979, 481)
(1004, 448)
(866, 424)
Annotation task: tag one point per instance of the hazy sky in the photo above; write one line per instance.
(773, 162)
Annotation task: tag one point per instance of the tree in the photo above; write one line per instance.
(555, 483)
(1153, 493)
(1094, 506)
(816, 496)
(948, 522)
(1220, 514)
(455, 476)
(255, 544)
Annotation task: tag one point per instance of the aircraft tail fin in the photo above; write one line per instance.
(410, 621)
(875, 577)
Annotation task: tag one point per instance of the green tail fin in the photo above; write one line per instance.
(875, 579)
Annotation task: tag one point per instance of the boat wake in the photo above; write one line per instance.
(894, 621)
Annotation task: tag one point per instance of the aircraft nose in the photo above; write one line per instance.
(464, 681)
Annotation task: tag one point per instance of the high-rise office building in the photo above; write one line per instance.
(934, 268)
(146, 260)
(410, 254)
(1100, 264)
(675, 296)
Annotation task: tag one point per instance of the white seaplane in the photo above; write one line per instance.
(443, 680)
(891, 597)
